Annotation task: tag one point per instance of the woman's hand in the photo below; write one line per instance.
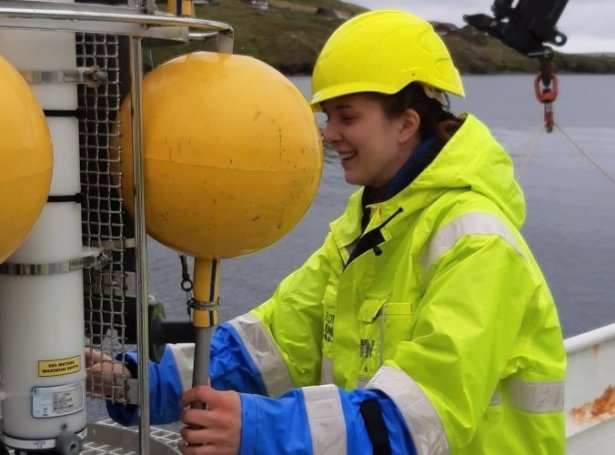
(214, 430)
(100, 372)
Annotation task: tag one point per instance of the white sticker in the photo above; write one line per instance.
(58, 400)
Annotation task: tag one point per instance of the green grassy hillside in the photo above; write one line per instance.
(290, 34)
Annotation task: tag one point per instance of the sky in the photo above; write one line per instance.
(588, 24)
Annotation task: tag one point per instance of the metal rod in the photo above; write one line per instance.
(205, 315)
(43, 10)
(225, 41)
(150, 6)
(202, 344)
(136, 76)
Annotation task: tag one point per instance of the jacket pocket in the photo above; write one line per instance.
(397, 320)
(382, 326)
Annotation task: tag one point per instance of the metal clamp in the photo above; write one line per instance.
(91, 77)
(203, 306)
(126, 390)
(91, 259)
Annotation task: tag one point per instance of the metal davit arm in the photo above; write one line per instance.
(525, 27)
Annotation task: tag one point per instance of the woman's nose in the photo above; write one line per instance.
(329, 134)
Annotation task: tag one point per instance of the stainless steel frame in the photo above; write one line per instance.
(137, 20)
(88, 18)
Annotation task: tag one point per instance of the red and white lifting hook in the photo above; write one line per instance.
(546, 88)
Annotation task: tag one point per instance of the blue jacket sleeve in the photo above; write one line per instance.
(165, 391)
(231, 368)
(283, 425)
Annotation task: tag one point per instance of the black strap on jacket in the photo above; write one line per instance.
(374, 423)
(370, 240)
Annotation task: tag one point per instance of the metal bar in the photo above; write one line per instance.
(94, 27)
(205, 314)
(136, 76)
(202, 343)
(150, 6)
(225, 41)
(588, 339)
(86, 12)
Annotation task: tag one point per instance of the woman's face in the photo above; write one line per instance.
(372, 147)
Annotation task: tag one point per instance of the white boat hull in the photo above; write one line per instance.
(590, 392)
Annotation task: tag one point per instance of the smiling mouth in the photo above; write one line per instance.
(347, 156)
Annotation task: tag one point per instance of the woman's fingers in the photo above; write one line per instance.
(193, 435)
(100, 371)
(95, 356)
(204, 418)
(199, 394)
(206, 441)
(217, 428)
(213, 399)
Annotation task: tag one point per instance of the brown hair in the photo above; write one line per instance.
(435, 120)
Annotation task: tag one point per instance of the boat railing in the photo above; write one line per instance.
(590, 392)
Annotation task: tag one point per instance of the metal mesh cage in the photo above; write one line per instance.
(108, 292)
(109, 60)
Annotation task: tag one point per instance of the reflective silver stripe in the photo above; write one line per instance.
(496, 399)
(419, 414)
(264, 353)
(536, 397)
(326, 418)
(326, 371)
(468, 224)
(183, 353)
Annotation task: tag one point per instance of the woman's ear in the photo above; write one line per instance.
(410, 123)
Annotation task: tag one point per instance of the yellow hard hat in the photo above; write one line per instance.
(26, 159)
(232, 154)
(382, 51)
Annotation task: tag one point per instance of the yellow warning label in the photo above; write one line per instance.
(59, 367)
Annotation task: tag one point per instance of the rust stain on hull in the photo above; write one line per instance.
(597, 409)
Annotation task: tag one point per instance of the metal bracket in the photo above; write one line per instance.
(90, 259)
(91, 77)
(203, 306)
(127, 389)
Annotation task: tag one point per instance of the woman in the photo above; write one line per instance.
(423, 324)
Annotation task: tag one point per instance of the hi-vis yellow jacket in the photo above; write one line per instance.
(441, 316)
(448, 313)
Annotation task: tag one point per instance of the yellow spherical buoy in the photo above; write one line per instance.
(26, 159)
(232, 154)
